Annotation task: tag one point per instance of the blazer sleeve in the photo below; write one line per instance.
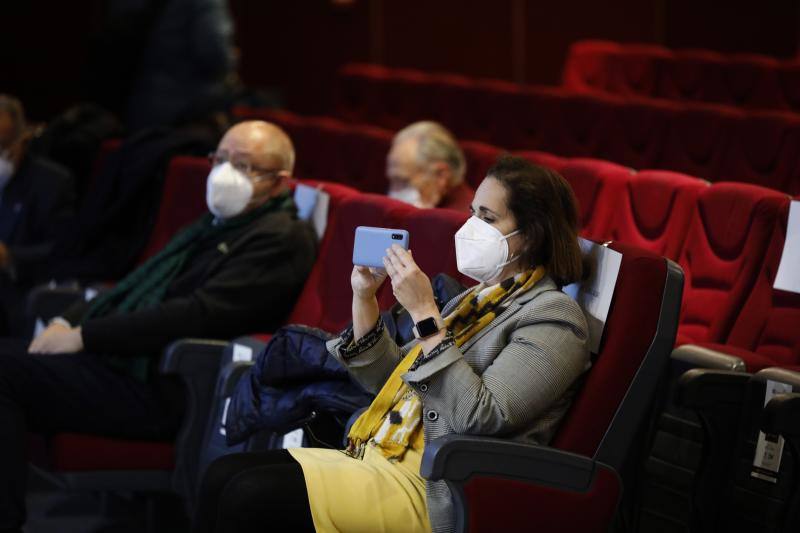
(545, 354)
(252, 291)
(371, 359)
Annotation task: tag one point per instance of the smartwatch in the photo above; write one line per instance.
(427, 327)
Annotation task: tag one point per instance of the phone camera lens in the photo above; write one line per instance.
(397, 237)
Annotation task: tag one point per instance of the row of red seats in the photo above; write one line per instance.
(728, 237)
(745, 80)
(718, 143)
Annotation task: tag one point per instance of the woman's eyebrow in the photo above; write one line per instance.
(485, 209)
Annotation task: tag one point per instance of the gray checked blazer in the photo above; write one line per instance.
(515, 378)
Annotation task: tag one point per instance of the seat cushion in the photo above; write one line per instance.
(73, 452)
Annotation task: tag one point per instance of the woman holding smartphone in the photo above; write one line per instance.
(503, 359)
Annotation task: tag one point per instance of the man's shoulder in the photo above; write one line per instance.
(42, 171)
(280, 225)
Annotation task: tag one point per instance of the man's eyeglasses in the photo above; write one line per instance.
(244, 166)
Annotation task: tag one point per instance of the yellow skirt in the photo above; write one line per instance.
(368, 495)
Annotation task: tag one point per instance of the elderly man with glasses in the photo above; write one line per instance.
(236, 270)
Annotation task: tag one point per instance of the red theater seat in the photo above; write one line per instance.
(183, 200)
(326, 298)
(765, 332)
(545, 159)
(598, 185)
(479, 157)
(74, 452)
(432, 241)
(728, 233)
(574, 484)
(744, 80)
(654, 211)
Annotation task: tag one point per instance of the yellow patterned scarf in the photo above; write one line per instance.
(393, 419)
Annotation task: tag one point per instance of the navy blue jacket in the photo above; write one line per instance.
(293, 376)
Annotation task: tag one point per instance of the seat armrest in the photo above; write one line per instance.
(707, 358)
(701, 388)
(551, 479)
(781, 375)
(197, 362)
(49, 300)
(782, 415)
(192, 357)
(458, 457)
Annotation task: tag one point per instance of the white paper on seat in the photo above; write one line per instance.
(594, 295)
(293, 439)
(242, 353)
(769, 449)
(224, 415)
(788, 277)
(312, 205)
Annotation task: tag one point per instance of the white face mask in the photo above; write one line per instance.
(6, 171)
(228, 191)
(409, 195)
(481, 250)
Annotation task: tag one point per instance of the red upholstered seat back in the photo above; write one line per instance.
(598, 185)
(654, 211)
(331, 150)
(75, 452)
(183, 200)
(742, 80)
(432, 243)
(630, 329)
(768, 322)
(479, 157)
(545, 159)
(763, 150)
(326, 298)
(724, 249)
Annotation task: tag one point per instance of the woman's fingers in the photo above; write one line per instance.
(390, 269)
(403, 255)
(394, 260)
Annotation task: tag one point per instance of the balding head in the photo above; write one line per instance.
(262, 153)
(263, 144)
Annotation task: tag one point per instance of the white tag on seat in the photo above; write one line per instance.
(242, 353)
(293, 439)
(788, 276)
(594, 295)
(769, 449)
(313, 205)
(224, 415)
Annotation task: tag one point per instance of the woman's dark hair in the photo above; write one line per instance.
(546, 212)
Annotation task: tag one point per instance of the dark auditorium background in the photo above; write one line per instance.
(296, 47)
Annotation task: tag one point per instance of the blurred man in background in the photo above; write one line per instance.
(426, 168)
(37, 202)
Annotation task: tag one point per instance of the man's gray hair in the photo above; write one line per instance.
(12, 106)
(435, 143)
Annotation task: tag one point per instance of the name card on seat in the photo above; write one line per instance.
(312, 205)
(788, 277)
(594, 294)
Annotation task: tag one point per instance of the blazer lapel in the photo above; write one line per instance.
(513, 307)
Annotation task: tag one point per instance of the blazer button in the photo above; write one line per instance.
(433, 416)
(423, 387)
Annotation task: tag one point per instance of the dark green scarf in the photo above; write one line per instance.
(145, 287)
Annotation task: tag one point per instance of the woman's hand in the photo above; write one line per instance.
(410, 285)
(366, 281)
